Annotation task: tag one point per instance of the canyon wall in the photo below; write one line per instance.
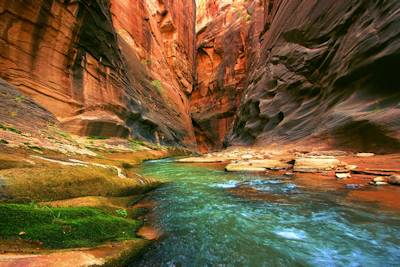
(104, 67)
(227, 44)
(314, 72)
(327, 73)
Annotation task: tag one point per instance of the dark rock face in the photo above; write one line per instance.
(328, 70)
(104, 67)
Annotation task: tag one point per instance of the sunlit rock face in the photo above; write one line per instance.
(227, 45)
(328, 71)
(104, 67)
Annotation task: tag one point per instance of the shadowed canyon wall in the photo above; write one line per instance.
(325, 73)
(104, 67)
(227, 44)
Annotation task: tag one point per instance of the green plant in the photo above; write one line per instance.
(34, 147)
(63, 227)
(122, 213)
(146, 62)
(4, 142)
(95, 137)
(9, 128)
(158, 85)
(19, 98)
(137, 144)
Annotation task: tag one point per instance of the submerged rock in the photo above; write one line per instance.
(353, 186)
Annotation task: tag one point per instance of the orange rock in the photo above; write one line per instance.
(94, 65)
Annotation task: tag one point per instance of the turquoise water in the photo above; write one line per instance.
(206, 225)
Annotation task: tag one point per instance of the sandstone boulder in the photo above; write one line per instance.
(315, 164)
(257, 165)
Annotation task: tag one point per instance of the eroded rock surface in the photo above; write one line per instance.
(327, 69)
(227, 42)
(104, 67)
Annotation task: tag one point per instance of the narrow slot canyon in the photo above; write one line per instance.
(199, 133)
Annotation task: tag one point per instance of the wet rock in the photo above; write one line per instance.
(332, 153)
(365, 155)
(379, 179)
(378, 182)
(315, 164)
(202, 160)
(340, 175)
(113, 254)
(289, 174)
(394, 179)
(353, 186)
(257, 165)
(237, 167)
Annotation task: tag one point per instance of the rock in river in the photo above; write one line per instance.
(315, 164)
(257, 165)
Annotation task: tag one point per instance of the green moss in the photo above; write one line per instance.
(4, 142)
(9, 128)
(137, 144)
(33, 147)
(158, 85)
(94, 137)
(63, 182)
(19, 98)
(63, 227)
(121, 213)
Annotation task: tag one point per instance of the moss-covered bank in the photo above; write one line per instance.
(63, 227)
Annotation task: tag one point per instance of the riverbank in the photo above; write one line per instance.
(72, 201)
(364, 176)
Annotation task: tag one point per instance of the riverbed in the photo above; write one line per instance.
(207, 221)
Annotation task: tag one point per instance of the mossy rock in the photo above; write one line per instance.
(9, 162)
(63, 182)
(63, 227)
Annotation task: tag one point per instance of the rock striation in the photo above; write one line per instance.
(104, 67)
(326, 72)
(280, 71)
(227, 42)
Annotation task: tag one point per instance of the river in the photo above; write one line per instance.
(204, 224)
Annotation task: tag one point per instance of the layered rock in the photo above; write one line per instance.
(104, 67)
(227, 42)
(327, 70)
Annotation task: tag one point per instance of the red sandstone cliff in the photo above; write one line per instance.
(298, 71)
(227, 43)
(327, 73)
(104, 67)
